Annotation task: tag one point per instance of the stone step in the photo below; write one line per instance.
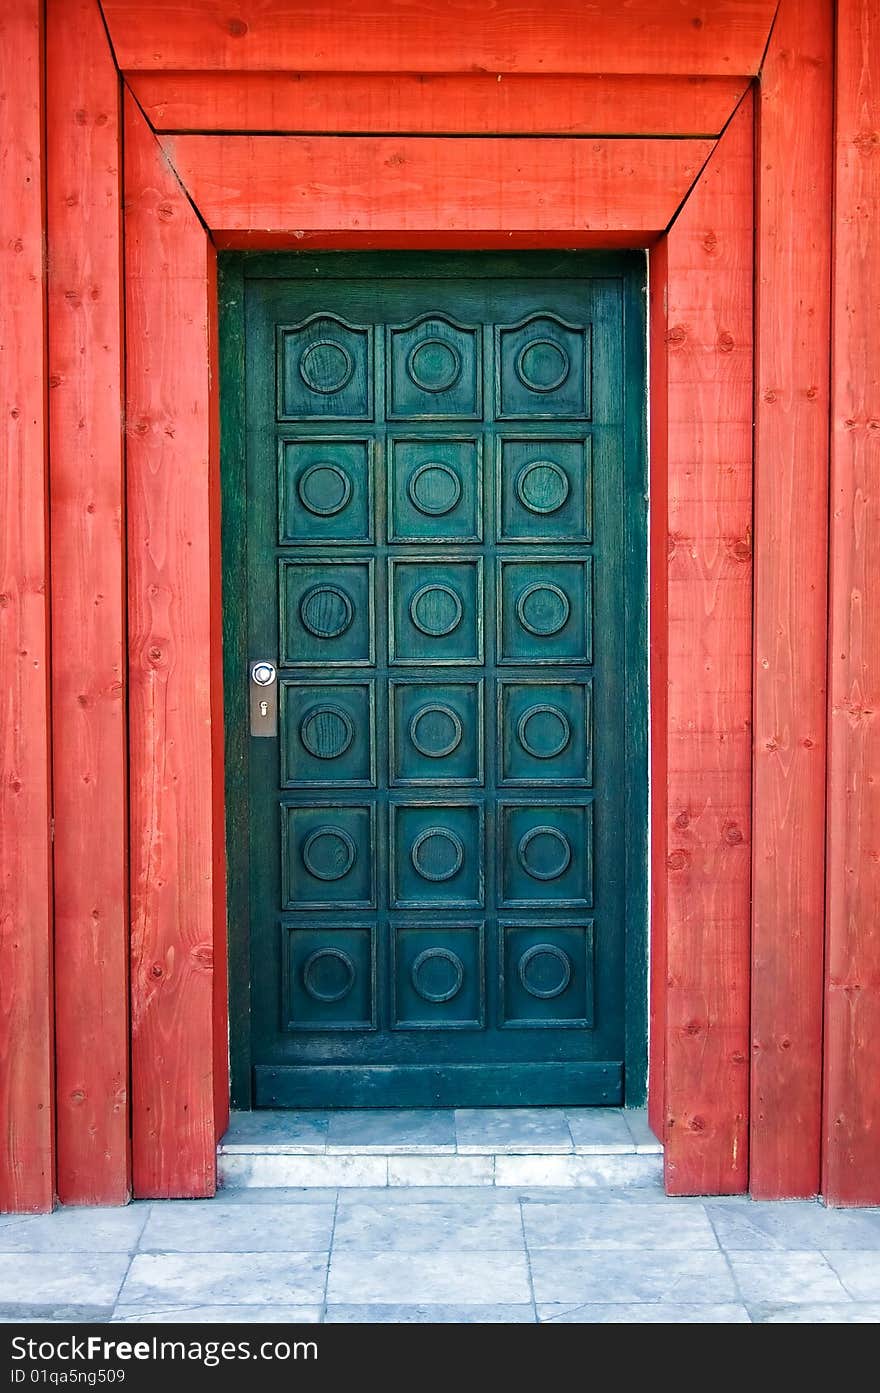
(523, 1147)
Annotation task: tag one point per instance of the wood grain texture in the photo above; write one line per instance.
(88, 603)
(726, 37)
(294, 184)
(851, 1168)
(437, 103)
(791, 551)
(27, 1180)
(169, 276)
(709, 366)
(658, 283)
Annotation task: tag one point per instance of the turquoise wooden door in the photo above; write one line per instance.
(435, 560)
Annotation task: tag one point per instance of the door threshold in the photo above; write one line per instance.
(525, 1147)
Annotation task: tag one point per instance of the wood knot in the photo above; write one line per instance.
(677, 335)
(203, 956)
(81, 117)
(237, 28)
(678, 860)
(741, 549)
(157, 970)
(56, 379)
(165, 212)
(739, 1057)
(154, 654)
(692, 1028)
(18, 245)
(682, 821)
(732, 834)
(866, 141)
(769, 397)
(710, 242)
(697, 1124)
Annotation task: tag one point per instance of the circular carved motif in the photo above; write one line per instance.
(434, 488)
(545, 970)
(436, 610)
(326, 731)
(544, 853)
(324, 488)
(328, 975)
(543, 609)
(326, 611)
(434, 365)
(543, 731)
(542, 365)
(437, 974)
(326, 366)
(329, 853)
(542, 486)
(437, 853)
(435, 731)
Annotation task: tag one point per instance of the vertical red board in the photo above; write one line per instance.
(791, 554)
(659, 624)
(709, 367)
(172, 755)
(851, 1168)
(27, 1180)
(84, 225)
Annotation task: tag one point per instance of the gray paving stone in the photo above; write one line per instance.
(446, 1278)
(637, 1121)
(190, 1226)
(621, 1278)
(38, 1314)
(148, 1313)
(294, 1131)
(392, 1131)
(617, 1225)
(55, 1278)
(599, 1129)
(650, 1193)
(792, 1225)
(433, 1315)
(273, 1194)
(859, 1273)
(799, 1277)
(86, 1230)
(847, 1313)
(225, 1279)
(377, 1226)
(646, 1313)
(487, 1131)
(403, 1196)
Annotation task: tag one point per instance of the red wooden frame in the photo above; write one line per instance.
(701, 287)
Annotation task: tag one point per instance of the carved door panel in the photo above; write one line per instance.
(436, 565)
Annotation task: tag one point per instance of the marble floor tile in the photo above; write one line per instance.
(294, 1172)
(445, 1278)
(194, 1227)
(225, 1279)
(56, 1278)
(646, 1313)
(859, 1273)
(792, 1224)
(149, 1313)
(302, 1131)
(441, 1170)
(617, 1225)
(844, 1313)
(86, 1230)
(599, 1129)
(637, 1122)
(389, 1130)
(379, 1226)
(595, 1170)
(775, 1277)
(512, 1130)
(348, 1314)
(589, 1278)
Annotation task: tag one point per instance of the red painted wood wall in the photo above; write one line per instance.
(760, 220)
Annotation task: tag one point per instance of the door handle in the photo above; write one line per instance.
(263, 698)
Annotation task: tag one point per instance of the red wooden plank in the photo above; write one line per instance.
(709, 367)
(294, 184)
(659, 625)
(791, 486)
(643, 36)
(389, 239)
(437, 103)
(88, 604)
(27, 1179)
(172, 751)
(851, 1170)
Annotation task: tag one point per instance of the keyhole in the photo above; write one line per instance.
(264, 708)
